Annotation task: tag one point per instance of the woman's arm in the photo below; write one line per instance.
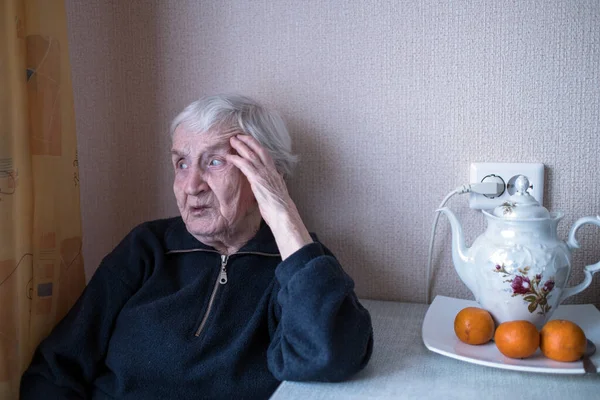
(69, 359)
(321, 332)
(269, 188)
(66, 362)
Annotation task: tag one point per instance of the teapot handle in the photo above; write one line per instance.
(589, 270)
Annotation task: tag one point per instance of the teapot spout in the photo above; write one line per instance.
(460, 253)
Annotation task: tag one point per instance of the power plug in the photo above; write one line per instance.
(505, 174)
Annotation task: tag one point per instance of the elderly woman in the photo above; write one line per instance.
(226, 300)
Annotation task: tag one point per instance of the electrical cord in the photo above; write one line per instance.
(485, 188)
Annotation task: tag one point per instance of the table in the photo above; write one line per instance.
(403, 368)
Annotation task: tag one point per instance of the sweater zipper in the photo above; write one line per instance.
(221, 280)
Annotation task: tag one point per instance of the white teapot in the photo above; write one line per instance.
(518, 268)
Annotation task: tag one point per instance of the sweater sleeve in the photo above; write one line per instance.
(66, 362)
(322, 331)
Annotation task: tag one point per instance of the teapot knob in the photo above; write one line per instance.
(521, 205)
(522, 184)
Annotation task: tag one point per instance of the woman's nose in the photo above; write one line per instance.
(195, 183)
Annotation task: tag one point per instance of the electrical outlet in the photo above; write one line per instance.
(506, 173)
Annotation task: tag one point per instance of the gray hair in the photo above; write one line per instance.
(235, 112)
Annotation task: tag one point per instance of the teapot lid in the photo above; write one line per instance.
(521, 205)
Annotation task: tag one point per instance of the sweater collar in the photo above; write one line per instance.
(177, 238)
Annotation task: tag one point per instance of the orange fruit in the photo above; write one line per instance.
(517, 339)
(474, 325)
(562, 340)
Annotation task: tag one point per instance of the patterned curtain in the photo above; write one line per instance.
(41, 268)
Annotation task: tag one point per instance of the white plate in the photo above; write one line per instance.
(439, 337)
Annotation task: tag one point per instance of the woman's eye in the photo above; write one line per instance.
(182, 165)
(215, 163)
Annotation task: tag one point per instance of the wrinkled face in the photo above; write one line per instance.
(213, 196)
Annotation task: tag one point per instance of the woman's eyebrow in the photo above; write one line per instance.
(224, 145)
(178, 153)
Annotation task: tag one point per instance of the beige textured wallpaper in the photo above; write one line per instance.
(388, 103)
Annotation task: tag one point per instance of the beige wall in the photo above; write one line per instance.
(388, 103)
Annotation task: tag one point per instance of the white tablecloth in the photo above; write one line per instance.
(403, 368)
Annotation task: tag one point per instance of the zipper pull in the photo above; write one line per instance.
(223, 276)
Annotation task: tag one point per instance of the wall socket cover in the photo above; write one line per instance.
(509, 173)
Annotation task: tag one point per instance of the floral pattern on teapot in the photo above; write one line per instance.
(522, 285)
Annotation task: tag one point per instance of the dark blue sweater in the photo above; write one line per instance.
(166, 317)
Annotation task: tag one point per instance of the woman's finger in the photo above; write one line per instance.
(243, 165)
(244, 150)
(254, 146)
(269, 190)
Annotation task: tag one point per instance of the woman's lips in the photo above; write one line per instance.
(197, 210)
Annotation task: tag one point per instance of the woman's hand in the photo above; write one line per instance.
(274, 202)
